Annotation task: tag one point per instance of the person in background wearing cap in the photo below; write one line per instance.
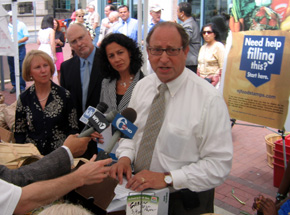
(22, 37)
(155, 13)
(192, 29)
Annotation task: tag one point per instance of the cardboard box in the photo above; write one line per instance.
(98, 198)
(95, 197)
(6, 136)
(163, 194)
(13, 154)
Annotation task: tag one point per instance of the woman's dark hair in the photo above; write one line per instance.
(214, 30)
(47, 22)
(57, 25)
(185, 7)
(136, 58)
(220, 22)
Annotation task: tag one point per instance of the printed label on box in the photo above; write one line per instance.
(142, 204)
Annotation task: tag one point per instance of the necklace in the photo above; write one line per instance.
(124, 84)
(41, 100)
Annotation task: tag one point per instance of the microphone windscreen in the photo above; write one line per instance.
(102, 107)
(130, 114)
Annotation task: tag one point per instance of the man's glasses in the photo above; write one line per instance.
(169, 51)
(207, 32)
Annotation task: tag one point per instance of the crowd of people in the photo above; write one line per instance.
(179, 143)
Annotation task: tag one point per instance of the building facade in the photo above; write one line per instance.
(32, 12)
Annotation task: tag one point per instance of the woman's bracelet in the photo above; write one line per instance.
(280, 197)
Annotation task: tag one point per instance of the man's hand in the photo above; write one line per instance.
(146, 179)
(264, 205)
(123, 166)
(268, 206)
(77, 145)
(93, 172)
(97, 137)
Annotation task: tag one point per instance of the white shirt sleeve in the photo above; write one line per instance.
(70, 155)
(9, 198)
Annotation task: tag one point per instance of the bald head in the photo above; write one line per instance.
(80, 40)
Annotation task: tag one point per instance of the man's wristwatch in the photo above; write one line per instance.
(168, 179)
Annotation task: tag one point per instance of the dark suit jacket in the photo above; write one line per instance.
(53, 165)
(70, 79)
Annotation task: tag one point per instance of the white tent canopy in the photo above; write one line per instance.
(14, 48)
(6, 45)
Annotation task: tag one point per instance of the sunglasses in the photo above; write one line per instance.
(207, 32)
(80, 16)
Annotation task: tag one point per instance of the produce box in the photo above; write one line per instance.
(5, 135)
(13, 154)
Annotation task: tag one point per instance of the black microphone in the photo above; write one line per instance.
(98, 123)
(127, 114)
(101, 107)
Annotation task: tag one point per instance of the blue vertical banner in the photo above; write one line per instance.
(262, 57)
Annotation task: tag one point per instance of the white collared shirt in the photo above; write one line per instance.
(195, 142)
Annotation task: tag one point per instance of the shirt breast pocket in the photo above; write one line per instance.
(178, 143)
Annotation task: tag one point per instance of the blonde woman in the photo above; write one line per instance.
(80, 14)
(45, 114)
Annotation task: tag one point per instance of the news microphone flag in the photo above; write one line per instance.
(99, 122)
(124, 126)
(87, 114)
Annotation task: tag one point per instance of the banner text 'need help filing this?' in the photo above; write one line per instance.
(261, 57)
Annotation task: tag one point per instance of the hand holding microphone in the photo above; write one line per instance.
(95, 120)
(98, 123)
(124, 124)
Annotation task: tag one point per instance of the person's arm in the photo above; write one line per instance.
(62, 40)
(52, 43)
(96, 20)
(189, 31)
(53, 165)
(24, 39)
(59, 39)
(121, 168)
(218, 54)
(284, 185)
(21, 128)
(71, 115)
(44, 192)
(96, 24)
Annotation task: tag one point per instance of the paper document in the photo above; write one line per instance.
(121, 191)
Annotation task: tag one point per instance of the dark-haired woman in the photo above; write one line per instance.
(59, 43)
(46, 37)
(211, 55)
(121, 62)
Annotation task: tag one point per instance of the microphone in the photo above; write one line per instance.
(98, 123)
(124, 124)
(90, 111)
(120, 122)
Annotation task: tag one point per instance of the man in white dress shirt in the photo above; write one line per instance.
(193, 150)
